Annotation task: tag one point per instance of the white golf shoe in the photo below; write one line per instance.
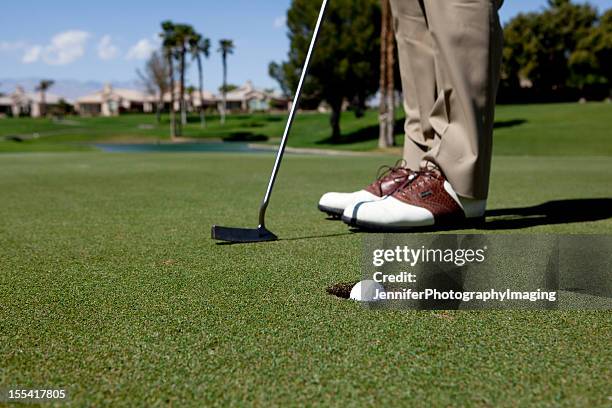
(424, 200)
(392, 178)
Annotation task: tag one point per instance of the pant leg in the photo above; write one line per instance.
(467, 40)
(417, 68)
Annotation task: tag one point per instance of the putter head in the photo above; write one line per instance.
(242, 235)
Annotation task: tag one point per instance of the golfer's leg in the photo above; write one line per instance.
(416, 61)
(468, 40)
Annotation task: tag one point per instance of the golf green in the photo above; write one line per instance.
(111, 288)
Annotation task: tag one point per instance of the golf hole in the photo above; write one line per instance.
(341, 290)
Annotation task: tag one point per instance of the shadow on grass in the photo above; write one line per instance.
(361, 135)
(12, 138)
(340, 234)
(549, 213)
(286, 239)
(371, 132)
(273, 118)
(508, 123)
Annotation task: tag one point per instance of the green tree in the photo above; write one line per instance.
(226, 47)
(520, 46)
(228, 88)
(200, 47)
(538, 46)
(63, 108)
(345, 65)
(275, 71)
(591, 62)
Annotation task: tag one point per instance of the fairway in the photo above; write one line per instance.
(563, 129)
(112, 288)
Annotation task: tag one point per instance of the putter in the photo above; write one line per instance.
(261, 233)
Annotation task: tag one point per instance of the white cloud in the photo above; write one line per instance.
(280, 22)
(66, 47)
(11, 45)
(32, 54)
(106, 49)
(142, 49)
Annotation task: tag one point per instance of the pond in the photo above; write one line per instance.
(226, 147)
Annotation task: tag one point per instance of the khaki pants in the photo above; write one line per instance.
(450, 57)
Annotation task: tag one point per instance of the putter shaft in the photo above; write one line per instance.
(261, 233)
(294, 106)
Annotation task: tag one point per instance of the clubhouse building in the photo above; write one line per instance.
(247, 98)
(110, 101)
(22, 103)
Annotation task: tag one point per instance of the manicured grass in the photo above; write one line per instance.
(556, 129)
(111, 288)
(547, 130)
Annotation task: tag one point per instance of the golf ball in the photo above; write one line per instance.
(366, 291)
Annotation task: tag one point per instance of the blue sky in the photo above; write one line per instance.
(108, 40)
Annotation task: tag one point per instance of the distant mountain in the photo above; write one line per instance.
(69, 89)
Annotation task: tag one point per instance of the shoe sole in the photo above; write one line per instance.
(465, 223)
(332, 212)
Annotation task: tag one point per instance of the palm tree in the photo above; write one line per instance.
(226, 47)
(200, 46)
(183, 35)
(176, 38)
(42, 87)
(169, 47)
(391, 64)
(190, 90)
(387, 78)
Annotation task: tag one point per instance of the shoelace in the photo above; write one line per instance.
(385, 170)
(415, 178)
